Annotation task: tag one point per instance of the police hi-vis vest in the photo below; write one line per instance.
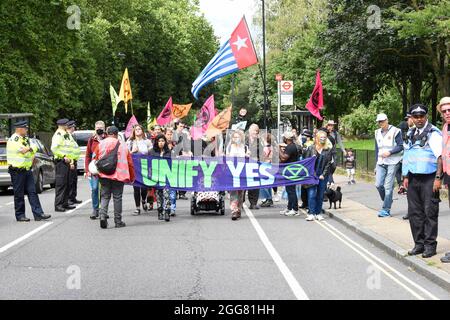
(15, 157)
(387, 143)
(419, 157)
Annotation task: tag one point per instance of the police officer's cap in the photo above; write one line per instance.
(21, 124)
(408, 115)
(71, 124)
(62, 122)
(418, 109)
(307, 133)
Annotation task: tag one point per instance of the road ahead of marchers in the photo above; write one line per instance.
(262, 256)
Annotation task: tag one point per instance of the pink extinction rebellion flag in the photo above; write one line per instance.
(133, 121)
(166, 115)
(204, 117)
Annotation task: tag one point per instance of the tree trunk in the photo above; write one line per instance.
(405, 96)
(434, 100)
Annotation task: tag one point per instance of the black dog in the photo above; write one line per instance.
(334, 196)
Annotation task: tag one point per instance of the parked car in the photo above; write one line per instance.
(82, 138)
(43, 167)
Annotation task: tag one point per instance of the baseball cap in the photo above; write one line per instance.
(381, 117)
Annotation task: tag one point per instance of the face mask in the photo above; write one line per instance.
(100, 132)
(237, 140)
(322, 140)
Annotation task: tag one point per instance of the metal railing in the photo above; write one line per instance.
(365, 160)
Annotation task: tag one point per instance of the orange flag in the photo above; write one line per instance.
(125, 90)
(220, 123)
(179, 111)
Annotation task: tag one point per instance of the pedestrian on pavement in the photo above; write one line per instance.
(161, 150)
(19, 156)
(92, 144)
(422, 172)
(444, 109)
(336, 139)
(255, 147)
(289, 154)
(237, 148)
(323, 164)
(113, 184)
(140, 145)
(388, 153)
(75, 156)
(350, 165)
(62, 149)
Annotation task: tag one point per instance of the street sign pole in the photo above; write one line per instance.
(279, 78)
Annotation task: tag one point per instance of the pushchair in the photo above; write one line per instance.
(208, 201)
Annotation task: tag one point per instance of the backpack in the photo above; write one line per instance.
(107, 165)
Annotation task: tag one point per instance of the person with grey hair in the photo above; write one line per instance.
(93, 142)
(255, 147)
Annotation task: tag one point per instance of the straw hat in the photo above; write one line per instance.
(444, 101)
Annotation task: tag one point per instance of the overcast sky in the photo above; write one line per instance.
(225, 15)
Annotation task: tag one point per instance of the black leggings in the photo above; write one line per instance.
(140, 193)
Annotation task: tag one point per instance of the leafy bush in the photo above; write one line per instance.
(360, 122)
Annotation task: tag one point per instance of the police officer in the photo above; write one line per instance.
(19, 154)
(74, 155)
(61, 148)
(422, 172)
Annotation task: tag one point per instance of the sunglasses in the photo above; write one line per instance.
(445, 110)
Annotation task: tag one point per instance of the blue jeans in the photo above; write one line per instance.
(292, 198)
(95, 194)
(265, 194)
(385, 183)
(315, 196)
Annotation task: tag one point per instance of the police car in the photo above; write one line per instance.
(82, 138)
(43, 167)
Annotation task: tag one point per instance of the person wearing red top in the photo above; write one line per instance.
(93, 143)
(113, 184)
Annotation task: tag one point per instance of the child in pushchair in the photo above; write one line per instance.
(208, 201)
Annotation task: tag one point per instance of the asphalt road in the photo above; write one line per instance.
(263, 256)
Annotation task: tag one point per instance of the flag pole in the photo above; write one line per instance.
(233, 84)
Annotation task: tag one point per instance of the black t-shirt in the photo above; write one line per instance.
(292, 152)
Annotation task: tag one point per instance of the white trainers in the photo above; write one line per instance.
(310, 217)
(276, 198)
(283, 212)
(320, 217)
(292, 213)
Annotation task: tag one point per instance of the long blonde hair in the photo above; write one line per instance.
(317, 143)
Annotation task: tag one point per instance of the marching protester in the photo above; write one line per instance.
(266, 193)
(113, 184)
(254, 145)
(161, 150)
(179, 136)
(307, 139)
(237, 148)
(19, 157)
(444, 109)
(324, 160)
(350, 164)
(62, 149)
(404, 126)
(422, 172)
(289, 154)
(75, 155)
(388, 153)
(139, 144)
(172, 193)
(335, 139)
(92, 144)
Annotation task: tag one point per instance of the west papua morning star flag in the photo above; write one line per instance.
(315, 103)
(236, 54)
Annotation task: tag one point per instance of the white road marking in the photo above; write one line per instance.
(377, 262)
(298, 291)
(79, 206)
(33, 232)
(29, 234)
